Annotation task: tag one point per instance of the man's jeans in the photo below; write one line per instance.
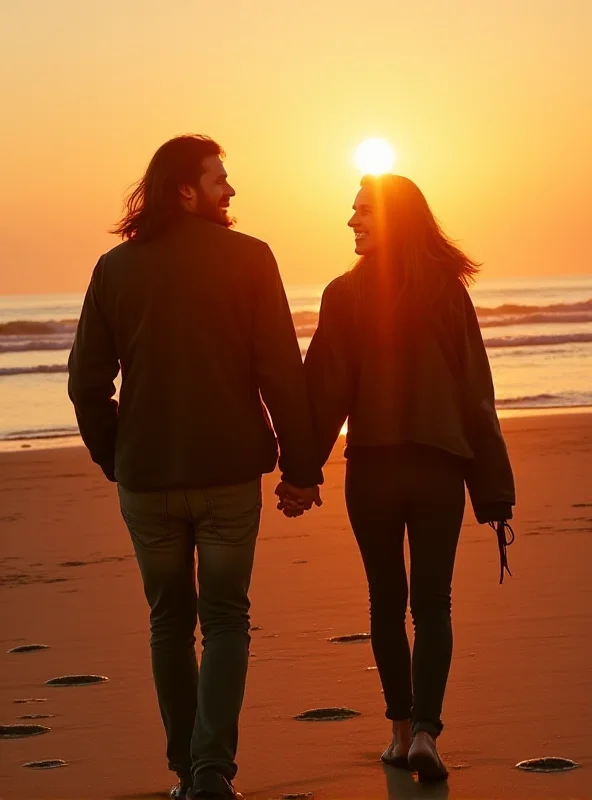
(200, 708)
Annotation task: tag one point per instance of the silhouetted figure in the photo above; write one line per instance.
(196, 317)
(399, 354)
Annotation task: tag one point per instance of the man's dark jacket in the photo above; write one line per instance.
(198, 322)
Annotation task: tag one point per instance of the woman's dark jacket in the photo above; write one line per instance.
(402, 371)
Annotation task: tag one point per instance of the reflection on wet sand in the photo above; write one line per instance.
(402, 785)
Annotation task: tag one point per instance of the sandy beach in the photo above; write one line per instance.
(520, 686)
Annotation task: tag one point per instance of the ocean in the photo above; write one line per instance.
(538, 335)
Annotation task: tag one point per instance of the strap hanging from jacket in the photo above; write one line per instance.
(505, 537)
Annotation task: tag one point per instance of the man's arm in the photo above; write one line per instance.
(329, 372)
(280, 374)
(93, 366)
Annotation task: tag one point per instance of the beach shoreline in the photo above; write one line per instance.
(519, 685)
(60, 442)
(538, 335)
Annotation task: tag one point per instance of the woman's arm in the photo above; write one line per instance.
(490, 480)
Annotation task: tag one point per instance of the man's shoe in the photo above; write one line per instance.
(179, 792)
(212, 785)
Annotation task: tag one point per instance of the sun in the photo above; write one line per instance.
(374, 157)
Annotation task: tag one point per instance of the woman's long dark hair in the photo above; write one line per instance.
(154, 202)
(415, 254)
(408, 283)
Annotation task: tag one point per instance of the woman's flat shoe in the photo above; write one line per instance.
(400, 762)
(427, 764)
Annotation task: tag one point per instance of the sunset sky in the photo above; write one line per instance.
(488, 103)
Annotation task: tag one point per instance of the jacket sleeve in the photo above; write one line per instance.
(93, 365)
(280, 375)
(490, 479)
(329, 371)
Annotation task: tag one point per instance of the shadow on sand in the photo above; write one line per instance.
(142, 796)
(400, 785)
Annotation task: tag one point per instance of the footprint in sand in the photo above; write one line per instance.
(550, 764)
(31, 700)
(350, 637)
(28, 648)
(296, 796)
(327, 714)
(52, 763)
(18, 731)
(76, 680)
(22, 579)
(104, 560)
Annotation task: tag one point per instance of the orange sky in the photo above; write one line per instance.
(488, 103)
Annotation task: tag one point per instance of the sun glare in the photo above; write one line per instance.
(374, 157)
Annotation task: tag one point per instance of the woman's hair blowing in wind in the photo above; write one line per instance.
(414, 252)
(154, 203)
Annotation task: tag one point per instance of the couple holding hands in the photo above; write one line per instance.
(195, 316)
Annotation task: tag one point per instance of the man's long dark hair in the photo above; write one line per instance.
(154, 203)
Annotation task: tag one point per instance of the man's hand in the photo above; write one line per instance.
(294, 501)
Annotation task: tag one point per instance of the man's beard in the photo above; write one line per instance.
(213, 213)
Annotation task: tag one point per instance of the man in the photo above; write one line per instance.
(196, 317)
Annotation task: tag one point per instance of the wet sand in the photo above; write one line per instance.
(520, 686)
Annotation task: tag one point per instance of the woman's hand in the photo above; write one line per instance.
(294, 501)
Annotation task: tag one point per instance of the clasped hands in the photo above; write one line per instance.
(294, 501)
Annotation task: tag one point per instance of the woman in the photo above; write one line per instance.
(399, 354)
